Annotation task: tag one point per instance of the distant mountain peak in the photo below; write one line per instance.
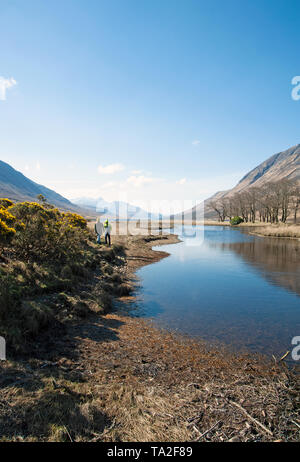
(114, 209)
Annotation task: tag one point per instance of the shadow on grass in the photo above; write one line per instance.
(44, 400)
(14, 377)
(56, 415)
(64, 339)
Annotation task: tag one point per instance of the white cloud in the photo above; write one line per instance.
(38, 166)
(109, 184)
(195, 142)
(136, 172)
(140, 180)
(182, 181)
(5, 84)
(110, 169)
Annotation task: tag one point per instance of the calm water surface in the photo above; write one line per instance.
(224, 285)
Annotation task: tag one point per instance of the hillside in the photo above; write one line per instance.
(17, 187)
(284, 165)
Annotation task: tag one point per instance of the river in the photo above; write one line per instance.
(224, 285)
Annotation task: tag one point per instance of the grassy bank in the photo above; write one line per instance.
(287, 230)
(280, 230)
(89, 374)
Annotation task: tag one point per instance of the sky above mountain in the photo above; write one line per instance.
(138, 100)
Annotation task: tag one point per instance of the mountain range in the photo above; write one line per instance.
(283, 165)
(17, 187)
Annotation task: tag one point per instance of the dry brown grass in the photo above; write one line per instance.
(128, 381)
(193, 382)
(280, 230)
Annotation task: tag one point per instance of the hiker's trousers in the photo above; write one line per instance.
(107, 238)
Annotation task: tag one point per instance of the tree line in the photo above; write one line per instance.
(270, 203)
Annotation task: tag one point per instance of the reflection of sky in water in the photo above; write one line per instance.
(231, 287)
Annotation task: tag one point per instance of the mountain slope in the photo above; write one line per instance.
(284, 165)
(17, 187)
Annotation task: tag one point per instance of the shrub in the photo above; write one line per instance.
(45, 251)
(7, 231)
(27, 211)
(123, 290)
(75, 220)
(66, 272)
(236, 221)
(34, 316)
(108, 254)
(104, 300)
(107, 269)
(5, 203)
(46, 233)
(9, 296)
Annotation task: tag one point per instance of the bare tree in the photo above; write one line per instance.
(220, 208)
(252, 197)
(295, 200)
(270, 203)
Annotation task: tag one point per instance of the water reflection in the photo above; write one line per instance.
(278, 260)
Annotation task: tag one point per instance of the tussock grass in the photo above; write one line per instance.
(49, 408)
(280, 230)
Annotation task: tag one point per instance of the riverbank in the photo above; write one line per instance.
(109, 377)
(277, 230)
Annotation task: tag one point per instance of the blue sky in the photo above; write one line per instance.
(153, 98)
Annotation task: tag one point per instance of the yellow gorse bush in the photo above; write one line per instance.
(6, 233)
(75, 220)
(42, 251)
(7, 217)
(41, 231)
(7, 220)
(27, 210)
(5, 203)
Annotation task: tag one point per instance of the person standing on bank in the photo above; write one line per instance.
(107, 231)
(99, 230)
